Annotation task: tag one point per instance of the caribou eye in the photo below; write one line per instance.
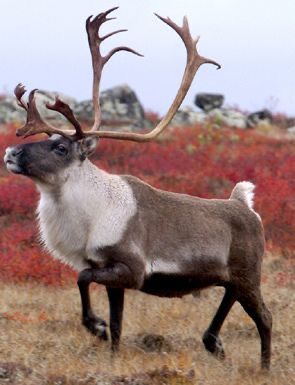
(61, 149)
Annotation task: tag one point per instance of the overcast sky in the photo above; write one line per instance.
(43, 44)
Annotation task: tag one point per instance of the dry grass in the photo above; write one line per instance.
(42, 341)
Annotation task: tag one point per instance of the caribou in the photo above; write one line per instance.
(120, 232)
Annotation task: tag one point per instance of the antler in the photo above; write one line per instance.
(35, 124)
(194, 61)
(98, 61)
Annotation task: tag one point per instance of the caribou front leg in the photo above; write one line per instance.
(93, 324)
(116, 278)
(116, 302)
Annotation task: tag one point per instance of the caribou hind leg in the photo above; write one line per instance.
(253, 304)
(211, 339)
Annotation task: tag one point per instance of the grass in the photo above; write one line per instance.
(43, 343)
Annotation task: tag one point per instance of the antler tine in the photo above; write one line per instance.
(189, 42)
(66, 111)
(112, 33)
(121, 48)
(98, 20)
(194, 61)
(19, 91)
(36, 125)
(103, 15)
(98, 61)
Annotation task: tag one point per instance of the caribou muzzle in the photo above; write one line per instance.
(12, 159)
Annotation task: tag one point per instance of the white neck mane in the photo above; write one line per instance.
(89, 211)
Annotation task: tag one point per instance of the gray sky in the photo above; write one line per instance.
(43, 45)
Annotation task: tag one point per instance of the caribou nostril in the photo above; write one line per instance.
(16, 151)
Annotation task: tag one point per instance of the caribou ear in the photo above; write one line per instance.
(87, 147)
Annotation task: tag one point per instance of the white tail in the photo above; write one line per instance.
(244, 192)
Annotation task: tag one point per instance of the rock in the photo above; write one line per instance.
(231, 118)
(118, 104)
(84, 110)
(291, 130)
(289, 121)
(43, 97)
(208, 102)
(11, 112)
(259, 117)
(121, 102)
(120, 108)
(187, 116)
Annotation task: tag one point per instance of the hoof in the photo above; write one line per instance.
(96, 326)
(214, 345)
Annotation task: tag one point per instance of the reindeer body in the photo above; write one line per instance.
(118, 219)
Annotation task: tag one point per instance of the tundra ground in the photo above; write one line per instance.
(43, 343)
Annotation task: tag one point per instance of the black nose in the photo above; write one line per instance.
(16, 152)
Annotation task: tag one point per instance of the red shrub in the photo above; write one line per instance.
(199, 161)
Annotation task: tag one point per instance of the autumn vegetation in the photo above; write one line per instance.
(200, 161)
(39, 312)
